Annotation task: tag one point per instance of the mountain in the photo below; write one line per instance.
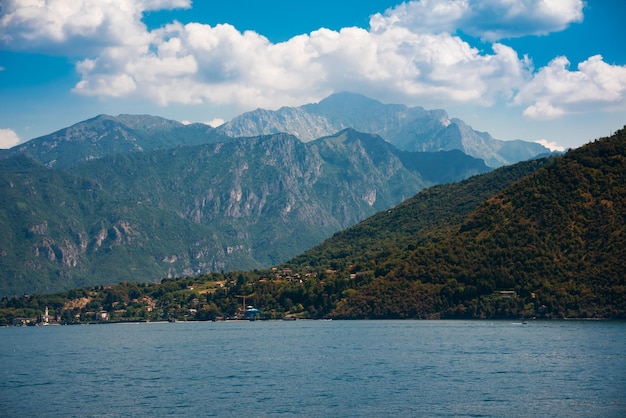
(105, 135)
(59, 231)
(407, 128)
(543, 238)
(237, 204)
(430, 215)
(312, 284)
(552, 244)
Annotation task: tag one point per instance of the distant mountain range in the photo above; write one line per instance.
(235, 204)
(541, 239)
(110, 135)
(407, 128)
(139, 197)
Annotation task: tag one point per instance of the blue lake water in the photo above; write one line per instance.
(316, 369)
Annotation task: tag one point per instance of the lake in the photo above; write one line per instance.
(316, 369)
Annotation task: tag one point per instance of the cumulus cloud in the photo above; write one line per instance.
(555, 90)
(8, 138)
(195, 63)
(541, 109)
(410, 52)
(214, 123)
(78, 25)
(490, 20)
(552, 146)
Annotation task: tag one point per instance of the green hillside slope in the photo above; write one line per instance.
(184, 211)
(304, 287)
(389, 236)
(551, 245)
(59, 231)
(541, 239)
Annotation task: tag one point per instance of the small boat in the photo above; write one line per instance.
(251, 313)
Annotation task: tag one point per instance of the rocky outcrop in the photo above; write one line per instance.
(408, 128)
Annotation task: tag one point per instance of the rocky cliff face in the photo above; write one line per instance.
(236, 204)
(408, 128)
(331, 182)
(295, 121)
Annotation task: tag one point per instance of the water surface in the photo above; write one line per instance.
(315, 369)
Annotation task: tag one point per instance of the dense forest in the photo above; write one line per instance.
(551, 245)
(540, 239)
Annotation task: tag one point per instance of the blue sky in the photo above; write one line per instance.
(539, 70)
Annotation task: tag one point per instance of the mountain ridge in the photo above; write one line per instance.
(407, 128)
(541, 239)
(235, 204)
(246, 202)
(554, 240)
(104, 135)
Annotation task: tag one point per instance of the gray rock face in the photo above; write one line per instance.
(407, 128)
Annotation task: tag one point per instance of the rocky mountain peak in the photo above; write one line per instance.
(408, 128)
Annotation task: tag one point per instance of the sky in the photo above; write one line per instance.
(551, 71)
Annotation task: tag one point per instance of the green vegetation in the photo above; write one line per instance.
(59, 231)
(542, 239)
(551, 245)
(234, 205)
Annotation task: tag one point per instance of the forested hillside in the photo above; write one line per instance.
(303, 288)
(60, 231)
(238, 204)
(541, 239)
(553, 244)
(389, 236)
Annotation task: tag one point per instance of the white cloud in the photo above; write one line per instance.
(196, 63)
(8, 138)
(490, 20)
(77, 25)
(552, 146)
(215, 122)
(543, 110)
(410, 53)
(555, 90)
(425, 16)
